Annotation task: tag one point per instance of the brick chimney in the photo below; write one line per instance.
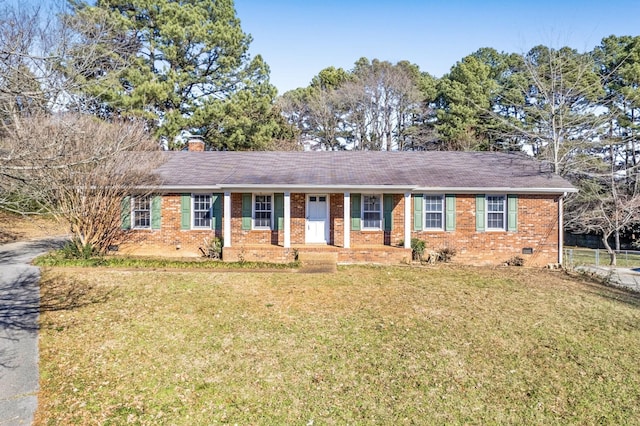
(195, 145)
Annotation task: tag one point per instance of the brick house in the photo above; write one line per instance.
(362, 206)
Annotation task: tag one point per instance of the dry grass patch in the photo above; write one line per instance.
(364, 345)
(15, 227)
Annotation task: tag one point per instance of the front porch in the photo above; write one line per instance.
(381, 254)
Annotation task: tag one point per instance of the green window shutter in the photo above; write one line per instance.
(355, 212)
(246, 212)
(278, 206)
(450, 212)
(185, 211)
(216, 211)
(480, 209)
(387, 206)
(418, 208)
(512, 212)
(156, 212)
(125, 213)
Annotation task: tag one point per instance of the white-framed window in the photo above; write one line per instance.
(496, 212)
(262, 211)
(201, 211)
(371, 211)
(141, 212)
(434, 212)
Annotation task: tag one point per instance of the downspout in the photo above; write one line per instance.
(561, 228)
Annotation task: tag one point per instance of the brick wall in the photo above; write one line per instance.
(169, 240)
(537, 229)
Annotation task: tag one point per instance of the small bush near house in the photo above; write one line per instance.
(417, 248)
(212, 248)
(76, 250)
(446, 254)
(515, 261)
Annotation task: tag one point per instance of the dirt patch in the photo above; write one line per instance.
(15, 227)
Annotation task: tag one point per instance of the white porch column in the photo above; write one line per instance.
(407, 220)
(287, 219)
(226, 225)
(347, 220)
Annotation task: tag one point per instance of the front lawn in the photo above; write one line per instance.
(367, 345)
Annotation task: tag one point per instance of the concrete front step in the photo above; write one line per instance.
(318, 262)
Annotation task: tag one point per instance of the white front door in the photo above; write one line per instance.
(317, 219)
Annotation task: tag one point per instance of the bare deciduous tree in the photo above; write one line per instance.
(78, 169)
(52, 160)
(605, 206)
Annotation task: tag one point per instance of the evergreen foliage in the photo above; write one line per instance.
(189, 70)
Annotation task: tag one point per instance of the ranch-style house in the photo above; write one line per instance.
(363, 206)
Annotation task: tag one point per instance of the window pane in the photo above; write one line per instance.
(433, 206)
(372, 211)
(433, 220)
(142, 219)
(495, 204)
(495, 220)
(201, 211)
(142, 212)
(496, 212)
(262, 211)
(141, 203)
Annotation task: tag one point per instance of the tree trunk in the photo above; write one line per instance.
(610, 251)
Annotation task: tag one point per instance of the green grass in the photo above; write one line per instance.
(366, 345)
(574, 256)
(58, 259)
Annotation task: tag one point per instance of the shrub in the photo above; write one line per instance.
(445, 254)
(515, 261)
(74, 249)
(417, 248)
(212, 248)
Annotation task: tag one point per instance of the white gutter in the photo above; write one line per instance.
(184, 188)
(359, 188)
(497, 190)
(314, 188)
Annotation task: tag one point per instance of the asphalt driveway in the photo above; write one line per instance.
(19, 314)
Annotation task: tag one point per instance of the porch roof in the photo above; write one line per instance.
(362, 170)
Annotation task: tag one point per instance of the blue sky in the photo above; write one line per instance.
(298, 38)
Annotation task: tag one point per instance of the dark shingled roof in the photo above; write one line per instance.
(428, 169)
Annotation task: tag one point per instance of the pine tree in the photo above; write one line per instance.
(190, 70)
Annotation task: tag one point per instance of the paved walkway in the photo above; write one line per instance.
(19, 314)
(621, 277)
